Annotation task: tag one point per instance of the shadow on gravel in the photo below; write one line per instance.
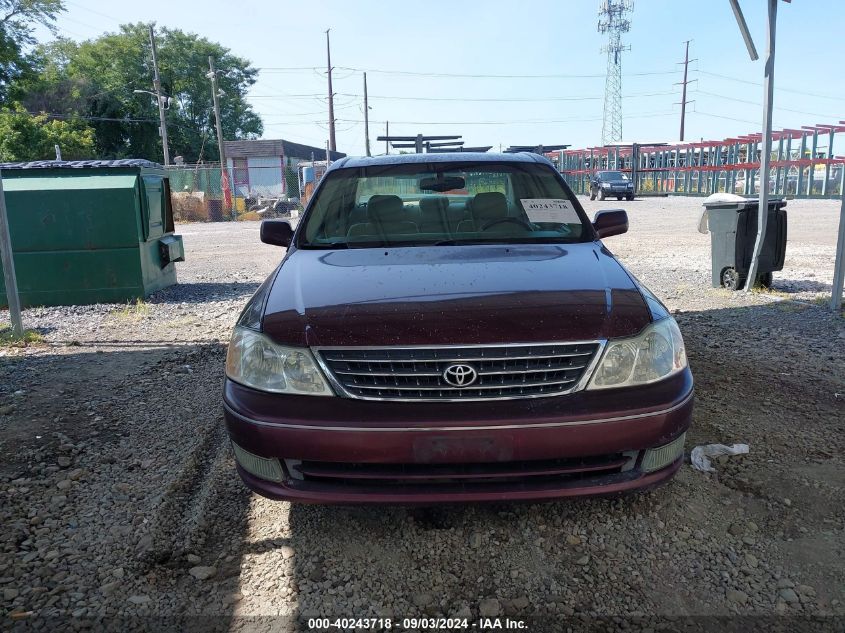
(203, 292)
(800, 285)
(150, 500)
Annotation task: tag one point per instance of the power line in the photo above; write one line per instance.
(53, 115)
(727, 118)
(517, 121)
(485, 76)
(312, 95)
(459, 99)
(104, 15)
(756, 103)
(350, 69)
(755, 83)
(299, 114)
(286, 69)
(56, 115)
(89, 26)
(501, 99)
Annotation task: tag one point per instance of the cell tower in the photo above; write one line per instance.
(613, 20)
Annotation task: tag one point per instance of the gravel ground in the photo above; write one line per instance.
(119, 501)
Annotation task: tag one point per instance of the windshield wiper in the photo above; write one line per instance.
(339, 245)
(454, 242)
(329, 246)
(470, 242)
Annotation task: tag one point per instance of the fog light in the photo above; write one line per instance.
(264, 467)
(662, 456)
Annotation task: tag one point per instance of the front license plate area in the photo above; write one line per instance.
(455, 450)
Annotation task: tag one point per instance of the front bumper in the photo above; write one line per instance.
(585, 443)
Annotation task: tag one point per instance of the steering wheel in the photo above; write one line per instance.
(523, 223)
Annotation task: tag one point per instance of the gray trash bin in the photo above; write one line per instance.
(733, 231)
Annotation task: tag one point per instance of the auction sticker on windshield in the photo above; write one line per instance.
(550, 210)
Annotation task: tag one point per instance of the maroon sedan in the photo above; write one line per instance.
(450, 328)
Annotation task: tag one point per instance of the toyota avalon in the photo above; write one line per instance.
(451, 328)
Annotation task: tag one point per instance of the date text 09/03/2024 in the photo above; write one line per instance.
(417, 624)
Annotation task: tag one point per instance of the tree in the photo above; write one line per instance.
(24, 137)
(98, 77)
(17, 19)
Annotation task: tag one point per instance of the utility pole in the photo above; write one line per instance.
(7, 258)
(332, 143)
(157, 87)
(684, 83)
(224, 168)
(366, 117)
(766, 149)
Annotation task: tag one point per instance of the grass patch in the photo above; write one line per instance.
(824, 302)
(10, 339)
(788, 306)
(770, 292)
(139, 309)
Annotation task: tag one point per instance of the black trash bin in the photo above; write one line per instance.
(733, 231)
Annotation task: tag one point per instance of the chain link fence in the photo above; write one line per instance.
(198, 192)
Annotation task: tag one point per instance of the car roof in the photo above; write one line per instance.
(443, 157)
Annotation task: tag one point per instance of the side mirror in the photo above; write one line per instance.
(611, 222)
(276, 232)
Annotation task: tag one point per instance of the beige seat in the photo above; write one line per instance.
(484, 208)
(387, 217)
(433, 214)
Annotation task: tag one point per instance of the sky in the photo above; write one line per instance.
(528, 72)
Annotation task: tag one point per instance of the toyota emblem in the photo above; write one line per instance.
(460, 375)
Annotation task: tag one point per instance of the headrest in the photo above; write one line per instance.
(490, 205)
(382, 208)
(433, 205)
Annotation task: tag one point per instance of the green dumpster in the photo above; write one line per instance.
(89, 231)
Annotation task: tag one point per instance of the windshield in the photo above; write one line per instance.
(612, 175)
(442, 204)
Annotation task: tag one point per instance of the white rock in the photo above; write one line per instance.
(489, 608)
(203, 572)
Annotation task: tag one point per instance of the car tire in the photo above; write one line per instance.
(618, 197)
(732, 280)
(592, 195)
(601, 195)
(630, 196)
(765, 280)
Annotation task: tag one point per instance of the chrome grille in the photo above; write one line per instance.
(417, 373)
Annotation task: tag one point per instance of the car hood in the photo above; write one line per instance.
(453, 295)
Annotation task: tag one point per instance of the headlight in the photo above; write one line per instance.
(256, 361)
(656, 353)
(605, 185)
